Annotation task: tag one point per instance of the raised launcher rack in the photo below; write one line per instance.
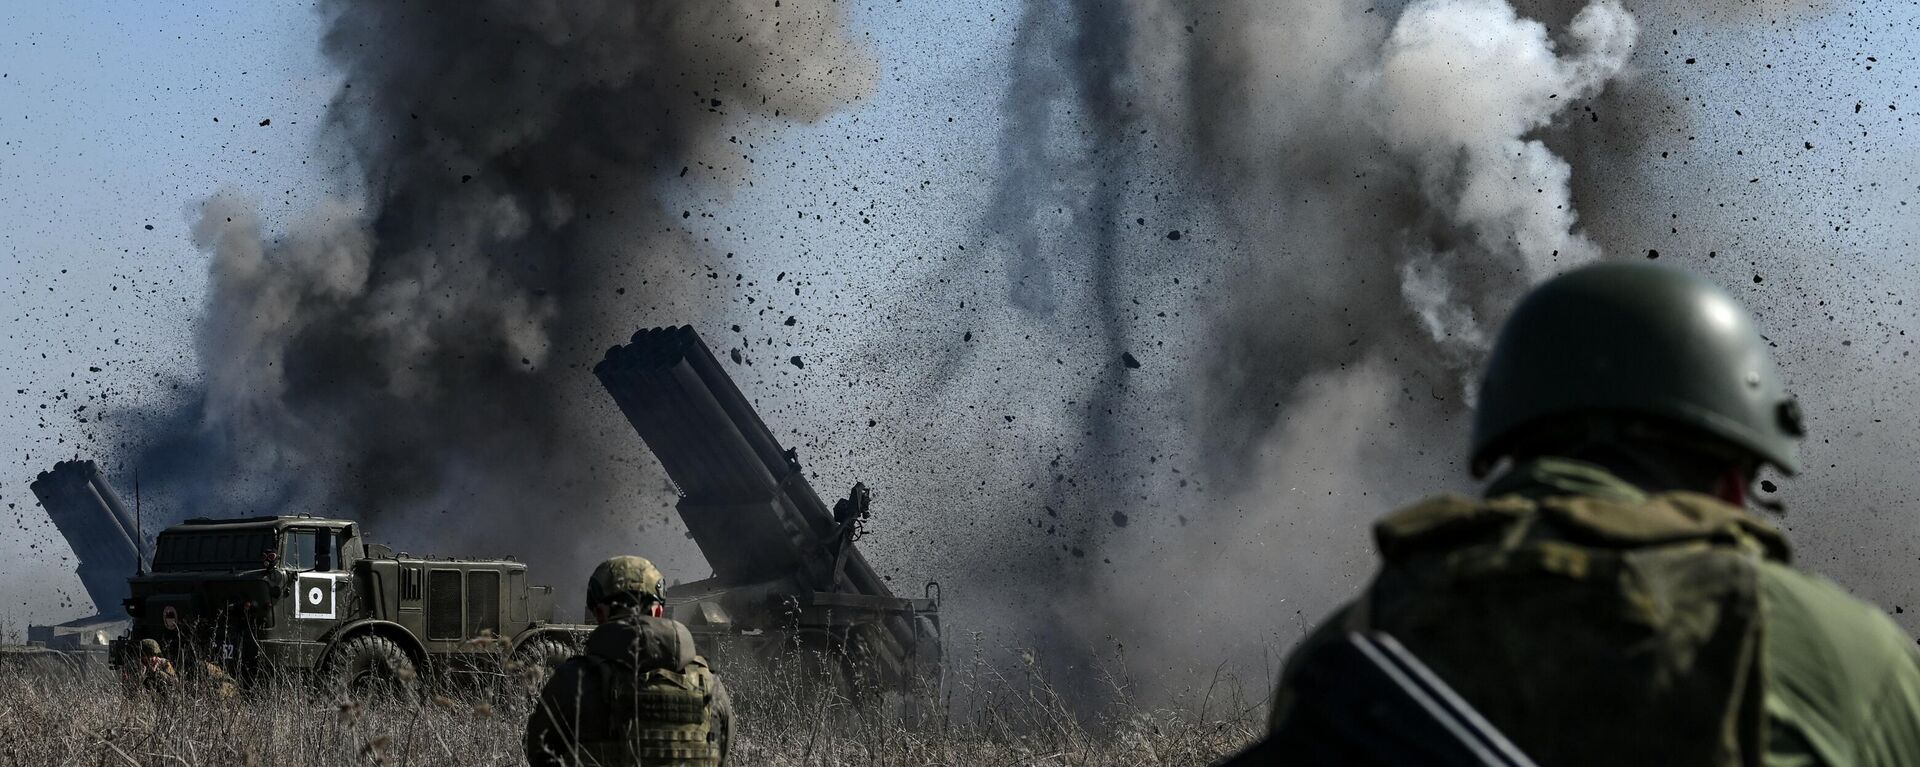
(106, 541)
(787, 575)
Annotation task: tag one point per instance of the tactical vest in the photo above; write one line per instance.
(660, 716)
(1590, 631)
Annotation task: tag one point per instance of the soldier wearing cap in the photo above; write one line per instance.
(1610, 600)
(638, 693)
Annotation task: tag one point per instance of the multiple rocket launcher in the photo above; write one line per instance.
(104, 535)
(107, 540)
(782, 561)
(744, 499)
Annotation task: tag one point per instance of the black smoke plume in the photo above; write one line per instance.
(419, 348)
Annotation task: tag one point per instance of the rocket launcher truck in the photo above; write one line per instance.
(284, 594)
(788, 580)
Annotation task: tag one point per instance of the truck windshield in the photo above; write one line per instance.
(312, 550)
(186, 551)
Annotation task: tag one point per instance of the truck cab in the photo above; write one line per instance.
(277, 594)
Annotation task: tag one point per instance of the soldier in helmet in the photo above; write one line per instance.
(156, 673)
(1609, 600)
(638, 693)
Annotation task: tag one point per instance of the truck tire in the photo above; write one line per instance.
(372, 666)
(535, 661)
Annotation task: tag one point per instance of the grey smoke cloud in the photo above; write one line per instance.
(1026, 163)
(1385, 172)
(416, 347)
(1386, 182)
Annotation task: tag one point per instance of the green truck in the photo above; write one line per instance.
(790, 589)
(261, 596)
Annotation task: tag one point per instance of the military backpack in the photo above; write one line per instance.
(657, 697)
(1636, 625)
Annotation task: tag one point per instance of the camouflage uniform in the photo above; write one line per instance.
(637, 694)
(1598, 606)
(1786, 669)
(156, 673)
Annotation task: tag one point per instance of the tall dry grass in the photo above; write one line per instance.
(991, 711)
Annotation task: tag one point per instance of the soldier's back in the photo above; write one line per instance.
(1607, 626)
(637, 694)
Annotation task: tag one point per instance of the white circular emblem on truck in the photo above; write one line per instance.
(316, 592)
(170, 618)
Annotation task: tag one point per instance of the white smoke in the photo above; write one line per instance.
(1461, 84)
(1388, 175)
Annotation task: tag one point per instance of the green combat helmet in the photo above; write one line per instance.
(632, 578)
(1635, 339)
(149, 648)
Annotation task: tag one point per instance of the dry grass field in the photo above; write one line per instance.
(989, 715)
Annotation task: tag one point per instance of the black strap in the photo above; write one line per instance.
(1365, 700)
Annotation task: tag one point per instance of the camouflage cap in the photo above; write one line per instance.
(149, 647)
(633, 577)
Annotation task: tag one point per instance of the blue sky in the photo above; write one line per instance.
(109, 136)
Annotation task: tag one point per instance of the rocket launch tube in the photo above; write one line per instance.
(730, 498)
(720, 453)
(94, 522)
(119, 509)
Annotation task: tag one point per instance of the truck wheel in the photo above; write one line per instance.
(535, 661)
(370, 665)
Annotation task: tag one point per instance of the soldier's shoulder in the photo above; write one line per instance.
(1329, 629)
(1835, 662)
(1810, 607)
(1441, 521)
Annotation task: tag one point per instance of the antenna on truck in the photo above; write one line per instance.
(139, 536)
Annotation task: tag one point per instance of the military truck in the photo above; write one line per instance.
(292, 594)
(790, 587)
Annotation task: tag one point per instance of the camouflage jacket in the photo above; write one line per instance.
(637, 695)
(1810, 676)
(158, 674)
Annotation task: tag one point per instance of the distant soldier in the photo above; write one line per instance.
(156, 673)
(1609, 601)
(638, 694)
